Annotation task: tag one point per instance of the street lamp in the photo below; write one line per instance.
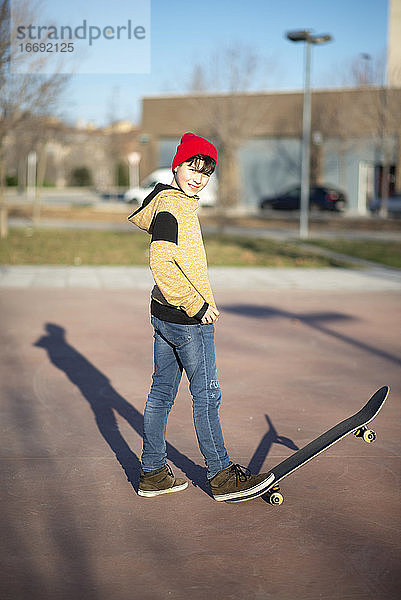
(367, 70)
(304, 35)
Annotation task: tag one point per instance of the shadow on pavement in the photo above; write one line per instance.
(270, 438)
(315, 320)
(104, 401)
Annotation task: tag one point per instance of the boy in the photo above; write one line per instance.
(183, 313)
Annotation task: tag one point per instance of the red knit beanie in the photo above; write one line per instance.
(191, 145)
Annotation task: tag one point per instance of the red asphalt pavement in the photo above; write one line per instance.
(75, 371)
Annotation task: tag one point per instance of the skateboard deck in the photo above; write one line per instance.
(355, 424)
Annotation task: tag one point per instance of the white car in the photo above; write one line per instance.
(207, 197)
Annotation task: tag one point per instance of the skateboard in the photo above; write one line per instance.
(356, 424)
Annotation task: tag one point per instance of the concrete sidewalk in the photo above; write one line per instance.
(222, 278)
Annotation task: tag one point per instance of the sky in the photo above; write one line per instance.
(183, 34)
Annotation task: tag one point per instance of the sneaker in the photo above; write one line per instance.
(237, 484)
(160, 481)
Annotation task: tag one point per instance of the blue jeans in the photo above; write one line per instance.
(190, 348)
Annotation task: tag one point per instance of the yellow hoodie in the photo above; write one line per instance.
(178, 263)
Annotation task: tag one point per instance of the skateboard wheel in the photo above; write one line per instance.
(369, 436)
(276, 499)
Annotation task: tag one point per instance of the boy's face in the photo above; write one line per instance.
(189, 178)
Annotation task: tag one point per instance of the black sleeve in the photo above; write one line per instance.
(165, 228)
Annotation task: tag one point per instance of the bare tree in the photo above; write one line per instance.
(22, 94)
(221, 101)
(380, 116)
(35, 133)
(374, 110)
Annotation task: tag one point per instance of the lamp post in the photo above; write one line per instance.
(134, 158)
(305, 35)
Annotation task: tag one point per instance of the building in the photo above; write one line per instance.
(72, 155)
(356, 137)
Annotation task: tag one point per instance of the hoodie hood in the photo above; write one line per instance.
(145, 215)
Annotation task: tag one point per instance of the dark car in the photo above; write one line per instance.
(320, 197)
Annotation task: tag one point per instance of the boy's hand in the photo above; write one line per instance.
(210, 316)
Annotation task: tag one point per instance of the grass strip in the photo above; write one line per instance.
(93, 247)
(380, 251)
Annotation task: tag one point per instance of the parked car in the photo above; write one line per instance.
(321, 197)
(393, 206)
(207, 197)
